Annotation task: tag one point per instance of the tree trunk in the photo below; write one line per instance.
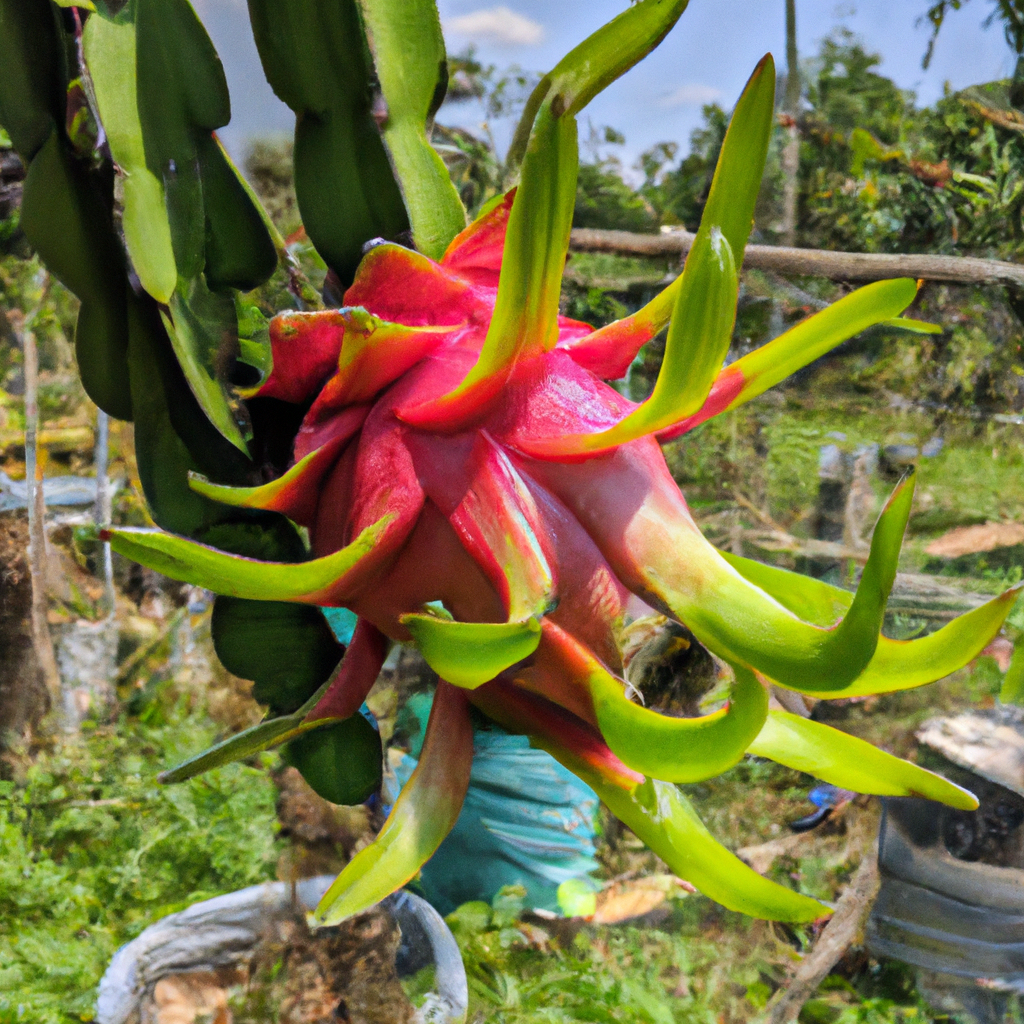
(791, 154)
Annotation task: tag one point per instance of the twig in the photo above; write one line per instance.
(779, 540)
(841, 932)
(760, 513)
(137, 657)
(841, 266)
(41, 638)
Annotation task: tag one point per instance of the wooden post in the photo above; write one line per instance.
(41, 638)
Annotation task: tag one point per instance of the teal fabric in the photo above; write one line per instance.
(342, 623)
(526, 821)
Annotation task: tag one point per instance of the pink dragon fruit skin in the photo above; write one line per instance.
(498, 506)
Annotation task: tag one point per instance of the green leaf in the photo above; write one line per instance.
(66, 206)
(242, 244)
(110, 51)
(33, 86)
(269, 733)
(288, 650)
(743, 624)
(182, 95)
(203, 329)
(66, 215)
(342, 763)
(663, 818)
(1012, 690)
(737, 180)
(679, 749)
(469, 654)
(856, 637)
(873, 304)
(172, 436)
(756, 372)
(698, 342)
(203, 566)
(409, 54)
(810, 598)
(851, 763)
(161, 91)
(313, 53)
(905, 323)
(424, 813)
(698, 336)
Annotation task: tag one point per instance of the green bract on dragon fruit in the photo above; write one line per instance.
(471, 484)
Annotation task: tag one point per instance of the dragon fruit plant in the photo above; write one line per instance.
(467, 480)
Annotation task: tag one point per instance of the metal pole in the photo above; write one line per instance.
(101, 513)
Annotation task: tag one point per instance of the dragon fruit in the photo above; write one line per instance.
(472, 485)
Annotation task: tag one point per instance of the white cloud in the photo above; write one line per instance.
(498, 25)
(690, 96)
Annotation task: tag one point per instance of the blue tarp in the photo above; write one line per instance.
(57, 490)
(526, 821)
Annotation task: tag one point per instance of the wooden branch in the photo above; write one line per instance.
(840, 266)
(41, 639)
(841, 932)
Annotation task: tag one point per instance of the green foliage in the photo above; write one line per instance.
(880, 175)
(342, 762)
(679, 194)
(315, 57)
(846, 92)
(516, 975)
(409, 60)
(1009, 12)
(604, 200)
(95, 850)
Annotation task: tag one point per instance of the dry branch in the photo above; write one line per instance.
(841, 932)
(41, 638)
(840, 266)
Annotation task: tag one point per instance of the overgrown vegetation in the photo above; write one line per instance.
(94, 850)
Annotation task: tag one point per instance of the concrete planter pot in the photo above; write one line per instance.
(223, 933)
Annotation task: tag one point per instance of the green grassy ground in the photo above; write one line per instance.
(94, 850)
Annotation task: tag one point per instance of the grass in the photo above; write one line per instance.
(94, 850)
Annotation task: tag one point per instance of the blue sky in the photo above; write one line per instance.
(708, 56)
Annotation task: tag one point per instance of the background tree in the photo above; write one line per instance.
(791, 110)
(1010, 13)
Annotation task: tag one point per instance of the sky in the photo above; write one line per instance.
(707, 57)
